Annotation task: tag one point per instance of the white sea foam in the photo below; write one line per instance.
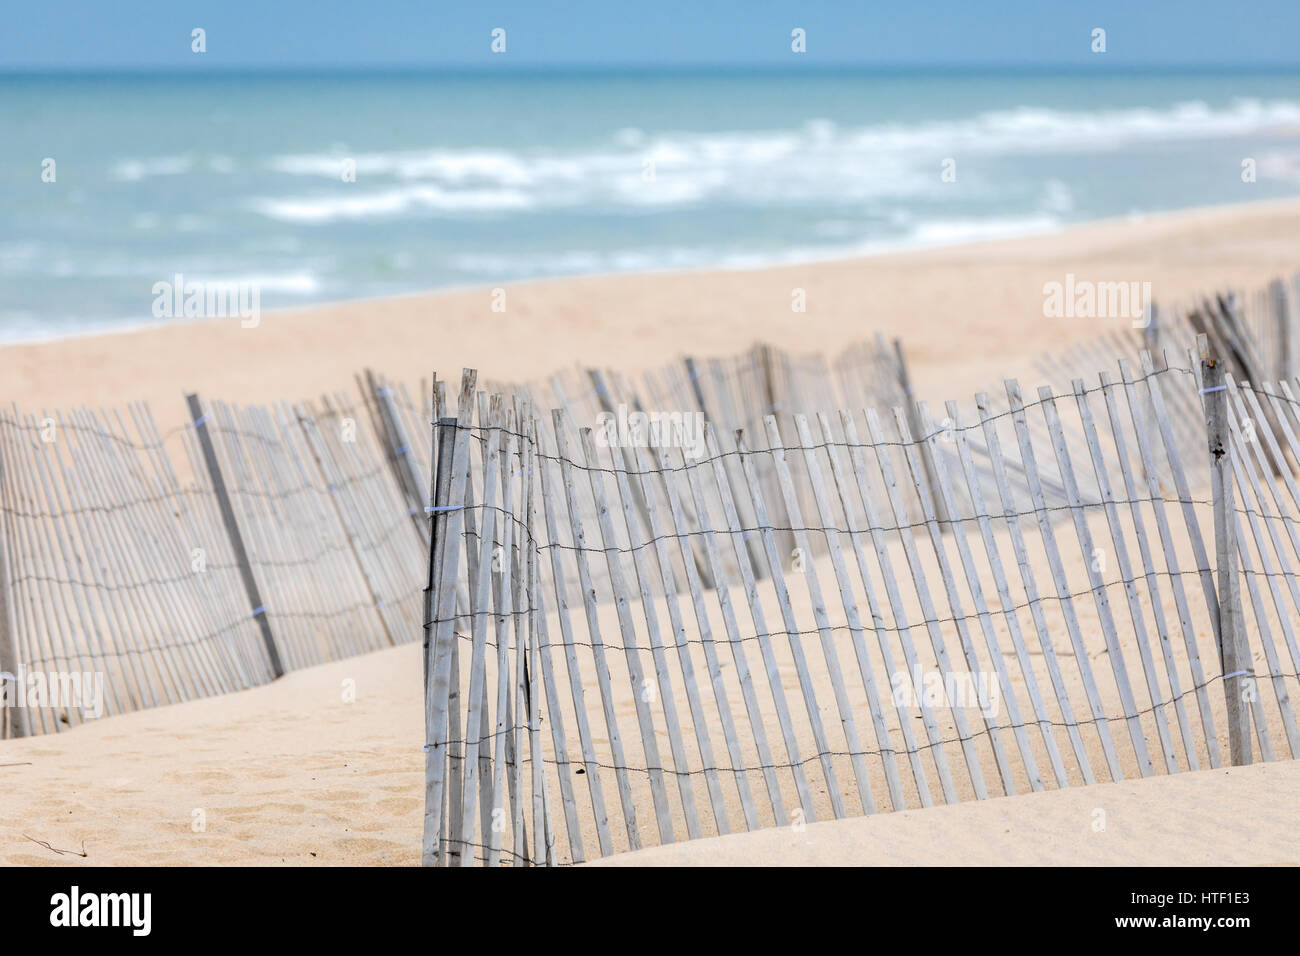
(952, 231)
(293, 283)
(388, 203)
(819, 162)
(1281, 164)
(134, 170)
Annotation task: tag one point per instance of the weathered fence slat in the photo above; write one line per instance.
(843, 705)
(917, 766)
(591, 768)
(1240, 467)
(793, 634)
(677, 627)
(627, 631)
(1250, 482)
(743, 673)
(1048, 535)
(898, 610)
(984, 522)
(928, 611)
(593, 630)
(865, 669)
(490, 572)
(1148, 565)
(232, 529)
(762, 635)
(929, 489)
(1157, 501)
(663, 677)
(1019, 730)
(1098, 587)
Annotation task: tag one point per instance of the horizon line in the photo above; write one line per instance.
(773, 68)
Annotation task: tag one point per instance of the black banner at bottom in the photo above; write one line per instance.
(596, 906)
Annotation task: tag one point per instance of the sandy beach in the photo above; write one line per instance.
(1237, 817)
(291, 773)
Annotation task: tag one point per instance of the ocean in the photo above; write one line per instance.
(325, 187)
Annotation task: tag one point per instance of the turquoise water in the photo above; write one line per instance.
(488, 178)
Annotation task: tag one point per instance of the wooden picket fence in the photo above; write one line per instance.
(852, 612)
(288, 545)
(217, 556)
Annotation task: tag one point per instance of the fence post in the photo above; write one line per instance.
(1234, 658)
(693, 376)
(445, 438)
(767, 365)
(918, 436)
(440, 623)
(400, 457)
(1282, 316)
(232, 529)
(18, 726)
(1151, 334)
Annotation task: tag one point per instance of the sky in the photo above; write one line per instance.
(83, 35)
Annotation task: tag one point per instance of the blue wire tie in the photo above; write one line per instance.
(403, 450)
(430, 511)
(385, 392)
(200, 420)
(1235, 674)
(259, 610)
(1217, 388)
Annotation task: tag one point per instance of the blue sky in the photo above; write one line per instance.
(319, 34)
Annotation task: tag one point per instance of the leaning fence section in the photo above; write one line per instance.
(659, 647)
(118, 577)
(126, 586)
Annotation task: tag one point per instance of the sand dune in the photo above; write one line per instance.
(1245, 816)
(286, 773)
